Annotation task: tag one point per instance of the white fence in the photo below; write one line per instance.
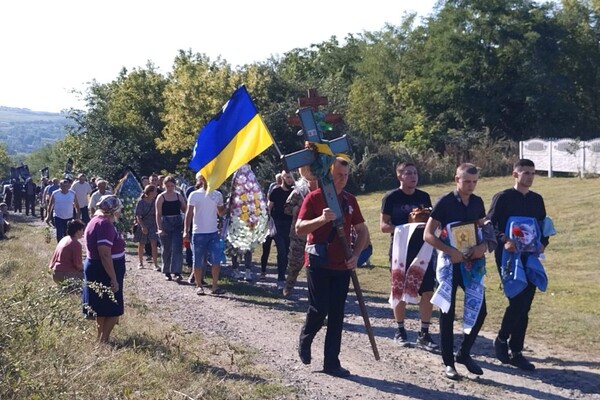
(562, 155)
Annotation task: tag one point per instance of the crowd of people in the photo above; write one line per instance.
(427, 262)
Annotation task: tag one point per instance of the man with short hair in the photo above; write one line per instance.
(517, 201)
(395, 209)
(155, 181)
(328, 272)
(60, 207)
(203, 210)
(102, 187)
(460, 205)
(82, 190)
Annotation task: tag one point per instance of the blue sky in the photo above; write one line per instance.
(49, 48)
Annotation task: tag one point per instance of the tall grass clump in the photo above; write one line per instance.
(48, 349)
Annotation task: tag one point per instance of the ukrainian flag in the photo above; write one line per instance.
(231, 139)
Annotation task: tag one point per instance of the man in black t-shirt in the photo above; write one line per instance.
(283, 223)
(395, 208)
(516, 201)
(460, 205)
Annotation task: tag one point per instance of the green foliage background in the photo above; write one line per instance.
(466, 83)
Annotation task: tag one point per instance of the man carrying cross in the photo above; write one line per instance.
(328, 272)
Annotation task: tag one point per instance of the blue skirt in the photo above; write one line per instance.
(95, 298)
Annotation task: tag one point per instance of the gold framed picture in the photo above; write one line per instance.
(463, 235)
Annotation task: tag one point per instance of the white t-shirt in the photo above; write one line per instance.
(63, 204)
(81, 191)
(205, 218)
(95, 197)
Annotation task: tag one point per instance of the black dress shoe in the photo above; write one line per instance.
(521, 362)
(304, 353)
(338, 372)
(501, 350)
(468, 362)
(451, 373)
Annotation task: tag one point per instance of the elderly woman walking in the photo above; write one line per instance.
(170, 205)
(104, 267)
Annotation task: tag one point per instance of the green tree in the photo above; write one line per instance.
(120, 126)
(196, 91)
(493, 64)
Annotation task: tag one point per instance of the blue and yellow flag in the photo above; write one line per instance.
(231, 139)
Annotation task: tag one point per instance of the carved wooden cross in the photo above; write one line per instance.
(304, 157)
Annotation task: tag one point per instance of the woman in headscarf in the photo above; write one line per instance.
(104, 267)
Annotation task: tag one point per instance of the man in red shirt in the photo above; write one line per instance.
(328, 272)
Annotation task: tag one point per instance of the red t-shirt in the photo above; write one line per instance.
(67, 256)
(312, 207)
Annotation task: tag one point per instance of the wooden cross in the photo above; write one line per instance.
(304, 157)
(313, 100)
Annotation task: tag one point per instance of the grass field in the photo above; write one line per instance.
(565, 313)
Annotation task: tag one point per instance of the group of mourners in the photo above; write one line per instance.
(435, 248)
(428, 262)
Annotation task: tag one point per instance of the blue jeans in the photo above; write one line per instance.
(85, 214)
(61, 227)
(172, 244)
(203, 245)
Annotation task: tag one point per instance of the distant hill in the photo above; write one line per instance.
(23, 131)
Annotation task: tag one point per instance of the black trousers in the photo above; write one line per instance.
(266, 251)
(327, 292)
(447, 323)
(516, 319)
(18, 203)
(30, 204)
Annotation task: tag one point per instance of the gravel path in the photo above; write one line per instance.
(272, 328)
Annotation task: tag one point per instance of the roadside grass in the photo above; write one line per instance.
(47, 348)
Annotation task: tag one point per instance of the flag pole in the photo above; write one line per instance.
(272, 138)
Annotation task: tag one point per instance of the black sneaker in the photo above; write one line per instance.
(401, 338)
(168, 277)
(468, 362)
(425, 342)
(501, 349)
(521, 362)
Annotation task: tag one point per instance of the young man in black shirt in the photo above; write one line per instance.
(395, 209)
(460, 205)
(283, 224)
(516, 201)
